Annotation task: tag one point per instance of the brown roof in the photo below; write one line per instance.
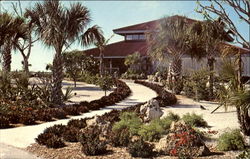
(150, 25)
(227, 48)
(122, 48)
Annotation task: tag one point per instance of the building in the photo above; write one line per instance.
(135, 41)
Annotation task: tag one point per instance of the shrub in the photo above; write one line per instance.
(4, 121)
(71, 110)
(194, 120)
(50, 140)
(58, 113)
(77, 123)
(130, 121)
(70, 134)
(90, 141)
(231, 140)
(244, 155)
(26, 118)
(140, 148)
(56, 129)
(152, 131)
(172, 116)
(121, 138)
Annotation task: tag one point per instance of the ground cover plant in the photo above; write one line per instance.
(194, 120)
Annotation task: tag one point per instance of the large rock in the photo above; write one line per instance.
(151, 110)
(105, 126)
(182, 139)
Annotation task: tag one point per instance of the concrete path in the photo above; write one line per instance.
(22, 137)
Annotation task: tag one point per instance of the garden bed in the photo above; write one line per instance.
(29, 116)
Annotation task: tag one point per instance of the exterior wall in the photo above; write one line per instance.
(189, 64)
(192, 64)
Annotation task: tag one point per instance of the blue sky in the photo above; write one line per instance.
(110, 15)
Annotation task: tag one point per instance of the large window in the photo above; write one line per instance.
(135, 37)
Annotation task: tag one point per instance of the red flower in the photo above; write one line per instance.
(173, 152)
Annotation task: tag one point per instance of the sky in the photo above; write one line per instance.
(110, 15)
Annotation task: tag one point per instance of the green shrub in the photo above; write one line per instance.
(130, 121)
(244, 155)
(194, 120)
(152, 131)
(140, 148)
(195, 85)
(172, 116)
(231, 140)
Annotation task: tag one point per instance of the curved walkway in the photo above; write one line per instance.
(22, 137)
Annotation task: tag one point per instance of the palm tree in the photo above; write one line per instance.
(11, 30)
(170, 41)
(59, 27)
(101, 44)
(207, 35)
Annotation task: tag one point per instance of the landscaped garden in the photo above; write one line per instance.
(156, 109)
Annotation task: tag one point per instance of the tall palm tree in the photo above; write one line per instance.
(170, 41)
(101, 44)
(59, 27)
(207, 35)
(11, 30)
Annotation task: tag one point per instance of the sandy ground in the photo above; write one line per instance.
(22, 137)
(220, 120)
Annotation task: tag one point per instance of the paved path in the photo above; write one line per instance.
(22, 137)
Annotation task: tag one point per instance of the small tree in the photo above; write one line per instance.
(133, 62)
(105, 83)
(72, 64)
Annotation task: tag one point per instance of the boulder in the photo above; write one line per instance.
(105, 126)
(151, 110)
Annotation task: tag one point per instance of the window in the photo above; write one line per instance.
(135, 37)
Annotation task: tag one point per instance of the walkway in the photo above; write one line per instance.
(24, 136)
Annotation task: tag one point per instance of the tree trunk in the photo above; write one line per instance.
(244, 120)
(239, 71)
(7, 58)
(101, 63)
(75, 82)
(57, 77)
(26, 65)
(210, 62)
(175, 74)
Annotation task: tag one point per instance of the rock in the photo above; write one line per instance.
(151, 110)
(203, 151)
(105, 126)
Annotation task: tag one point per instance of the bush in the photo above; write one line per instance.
(140, 148)
(194, 120)
(77, 123)
(244, 155)
(57, 129)
(71, 110)
(231, 140)
(4, 121)
(91, 143)
(50, 140)
(130, 121)
(152, 131)
(26, 118)
(172, 116)
(70, 134)
(58, 113)
(121, 138)
(195, 85)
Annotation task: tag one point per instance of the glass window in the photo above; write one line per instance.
(135, 37)
(129, 37)
(142, 37)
